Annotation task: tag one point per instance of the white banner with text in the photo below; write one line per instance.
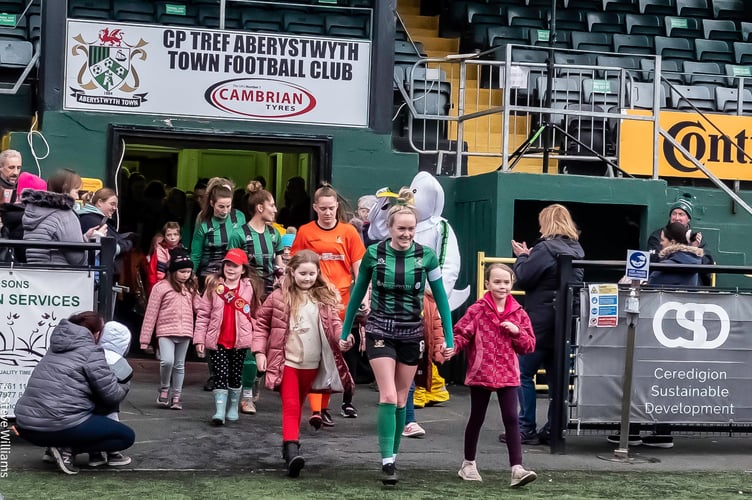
(179, 71)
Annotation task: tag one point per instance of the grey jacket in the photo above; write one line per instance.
(68, 382)
(50, 217)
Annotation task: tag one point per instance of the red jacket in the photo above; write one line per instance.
(273, 328)
(492, 351)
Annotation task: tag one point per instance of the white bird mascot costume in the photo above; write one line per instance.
(435, 232)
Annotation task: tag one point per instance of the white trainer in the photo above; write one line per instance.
(469, 472)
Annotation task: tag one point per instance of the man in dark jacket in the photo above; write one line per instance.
(10, 169)
(57, 409)
(681, 211)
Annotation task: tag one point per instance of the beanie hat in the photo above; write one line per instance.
(30, 181)
(683, 204)
(288, 239)
(179, 259)
(237, 256)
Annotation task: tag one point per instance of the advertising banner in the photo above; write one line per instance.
(696, 135)
(691, 364)
(184, 71)
(32, 303)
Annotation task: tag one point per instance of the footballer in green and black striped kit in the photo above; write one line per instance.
(263, 250)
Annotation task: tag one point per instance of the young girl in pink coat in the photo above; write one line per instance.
(297, 332)
(494, 331)
(224, 327)
(170, 310)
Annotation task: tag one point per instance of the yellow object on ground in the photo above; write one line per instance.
(437, 394)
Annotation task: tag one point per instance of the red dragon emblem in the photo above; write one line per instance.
(112, 39)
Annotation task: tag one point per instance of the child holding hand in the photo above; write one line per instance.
(170, 310)
(494, 331)
(296, 342)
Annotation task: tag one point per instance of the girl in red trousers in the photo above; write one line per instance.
(494, 331)
(297, 336)
(170, 309)
(224, 327)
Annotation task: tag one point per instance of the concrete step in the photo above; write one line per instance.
(421, 22)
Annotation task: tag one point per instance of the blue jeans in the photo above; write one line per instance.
(97, 433)
(410, 406)
(529, 365)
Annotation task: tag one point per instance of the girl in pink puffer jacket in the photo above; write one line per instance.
(494, 331)
(297, 344)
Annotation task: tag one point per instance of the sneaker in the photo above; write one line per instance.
(98, 458)
(326, 418)
(117, 459)
(469, 472)
(413, 430)
(48, 457)
(247, 406)
(521, 477)
(655, 441)
(525, 438)
(632, 440)
(163, 399)
(390, 474)
(64, 459)
(349, 411)
(176, 404)
(315, 421)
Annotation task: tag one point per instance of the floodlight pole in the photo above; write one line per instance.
(547, 139)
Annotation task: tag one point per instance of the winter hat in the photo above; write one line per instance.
(288, 239)
(179, 259)
(683, 204)
(30, 181)
(237, 256)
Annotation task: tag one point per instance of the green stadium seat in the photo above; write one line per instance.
(689, 27)
(529, 17)
(620, 6)
(12, 6)
(735, 72)
(674, 48)
(644, 24)
(303, 23)
(571, 20)
(714, 50)
(693, 8)
(743, 52)
(356, 26)
(699, 73)
(540, 38)
(727, 100)
(598, 42)
(15, 53)
(630, 63)
(260, 19)
(605, 22)
(633, 44)
(671, 70)
(746, 29)
(176, 20)
(721, 29)
(728, 9)
(641, 95)
(501, 36)
(701, 96)
(657, 7)
(600, 92)
(133, 11)
(85, 13)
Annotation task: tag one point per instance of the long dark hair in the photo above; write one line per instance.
(218, 187)
(191, 284)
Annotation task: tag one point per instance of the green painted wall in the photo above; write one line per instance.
(362, 161)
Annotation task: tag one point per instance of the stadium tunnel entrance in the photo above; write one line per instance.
(155, 170)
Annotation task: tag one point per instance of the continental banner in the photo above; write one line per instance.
(32, 303)
(691, 364)
(697, 136)
(178, 71)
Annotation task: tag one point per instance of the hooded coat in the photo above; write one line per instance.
(50, 217)
(69, 381)
(90, 216)
(492, 349)
(678, 254)
(538, 275)
(273, 329)
(116, 340)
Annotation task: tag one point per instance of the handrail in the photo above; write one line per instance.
(24, 74)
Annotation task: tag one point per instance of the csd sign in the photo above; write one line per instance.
(691, 318)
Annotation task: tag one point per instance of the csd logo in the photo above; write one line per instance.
(691, 317)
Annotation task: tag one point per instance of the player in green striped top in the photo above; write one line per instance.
(262, 241)
(397, 269)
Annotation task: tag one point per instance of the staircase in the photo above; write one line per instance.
(482, 135)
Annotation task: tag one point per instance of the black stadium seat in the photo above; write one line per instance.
(721, 29)
(601, 42)
(644, 24)
(633, 44)
(605, 22)
(657, 7)
(674, 48)
(727, 100)
(710, 73)
(694, 8)
(728, 9)
(701, 96)
(743, 52)
(714, 50)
